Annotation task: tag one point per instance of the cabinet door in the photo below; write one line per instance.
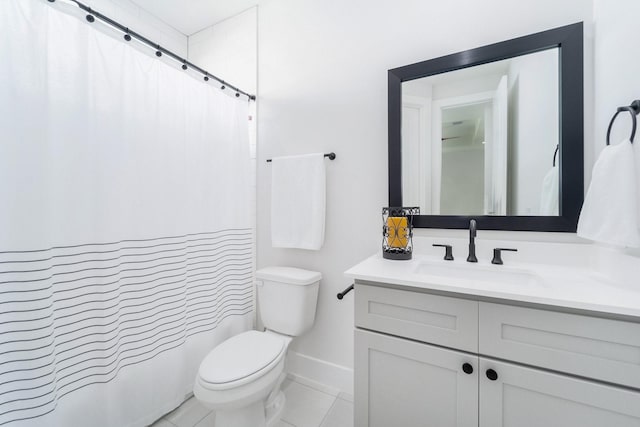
(399, 382)
(527, 397)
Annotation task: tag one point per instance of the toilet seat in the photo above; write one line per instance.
(241, 360)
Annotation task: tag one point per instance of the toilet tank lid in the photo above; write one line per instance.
(290, 275)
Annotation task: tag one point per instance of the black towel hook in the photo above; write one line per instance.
(634, 109)
(555, 154)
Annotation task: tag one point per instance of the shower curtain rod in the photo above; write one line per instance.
(129, 34)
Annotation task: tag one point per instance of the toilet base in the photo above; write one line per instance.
(275, 408)
(256, 415)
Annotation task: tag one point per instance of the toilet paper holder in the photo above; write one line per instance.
(343, 293)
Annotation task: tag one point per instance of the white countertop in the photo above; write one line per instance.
(552, 285)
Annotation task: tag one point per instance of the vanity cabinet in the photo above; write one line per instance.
(592, 347)
(449, 322)
(433, 360)
(528, 397)
(406, 383)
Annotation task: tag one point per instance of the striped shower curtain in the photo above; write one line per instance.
(126, 237)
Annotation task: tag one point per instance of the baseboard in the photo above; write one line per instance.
(324, 376)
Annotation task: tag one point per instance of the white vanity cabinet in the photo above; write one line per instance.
(410, 384)
(437, 361)
(529, 397)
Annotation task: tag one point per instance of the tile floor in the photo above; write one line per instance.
(306, 407)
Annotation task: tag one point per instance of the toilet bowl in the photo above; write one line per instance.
(237, 377)
(240, 378)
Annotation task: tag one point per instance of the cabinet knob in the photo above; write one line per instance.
(492, 375)
(467, 368)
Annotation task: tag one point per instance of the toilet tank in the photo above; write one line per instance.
(287, 298)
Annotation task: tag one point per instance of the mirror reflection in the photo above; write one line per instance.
(482, 140)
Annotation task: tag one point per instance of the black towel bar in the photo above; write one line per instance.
(634, 109)
(331, 156)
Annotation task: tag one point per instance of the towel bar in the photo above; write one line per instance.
(634, 109)
(331, 156)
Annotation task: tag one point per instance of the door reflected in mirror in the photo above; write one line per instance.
(481, 140)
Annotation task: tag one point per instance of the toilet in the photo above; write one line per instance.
(240, 378)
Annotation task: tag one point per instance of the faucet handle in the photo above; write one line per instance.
(497, 255)
(448, 253)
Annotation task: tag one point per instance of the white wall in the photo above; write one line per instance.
(142, 22)
(323, 87)
(229, 49)
(617, 80)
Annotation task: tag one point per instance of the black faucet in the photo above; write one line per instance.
(472, 241)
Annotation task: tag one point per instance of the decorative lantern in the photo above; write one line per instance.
(397, 232)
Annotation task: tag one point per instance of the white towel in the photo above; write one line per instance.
(298, 201)
(550, 195)
(610, 212)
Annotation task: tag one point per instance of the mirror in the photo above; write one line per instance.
(493, 133)
(472, 146)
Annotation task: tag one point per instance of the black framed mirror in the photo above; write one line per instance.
(493, 133)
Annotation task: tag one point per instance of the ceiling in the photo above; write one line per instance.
(191, 16)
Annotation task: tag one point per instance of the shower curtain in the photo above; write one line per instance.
(126, 240)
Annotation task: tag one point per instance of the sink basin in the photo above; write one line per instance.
(497, 274)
